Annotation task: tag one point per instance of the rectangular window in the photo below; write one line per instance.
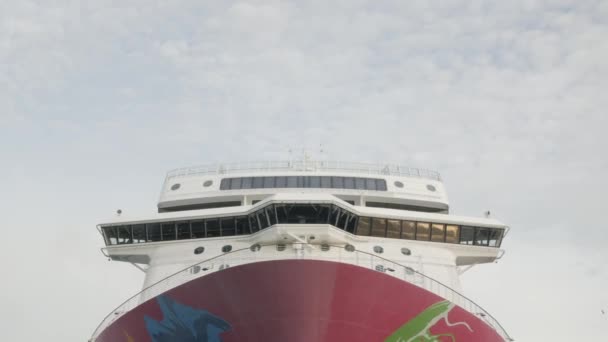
(315, 182)
(282, 212)
(258, 182)
(269, 182)
(380, 184)
(281, 182)
(153, 231)
(393, 229)
(271, 214)
(213, 228)
(363, 226)
(451, 233)
(495, 236)
(262, 219)
(438, 232)
(349, 183)
(481, 236)
(370, 184)
(292, 182)
(343, 217)
(378, 227)
(467, 234)
(168, 231)
(253, 223)
(322, 213)
(236, 183)
(408, 230)
(139, 233)
(124, 235)
(325, 182)
(183, 230)
(423, 231)
(351, 224)
(228, 226)
(242, 225)
(360, 183)
(111, 235)
(334, 215)
(247, 183)
(337, 182)
(198, 229)
(225, 184)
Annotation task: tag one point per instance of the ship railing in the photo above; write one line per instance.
(305, 165)
(260, 253)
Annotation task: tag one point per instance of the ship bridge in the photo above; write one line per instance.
(361, 184)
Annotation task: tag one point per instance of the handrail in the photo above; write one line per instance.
(252, 255)
(305, 165)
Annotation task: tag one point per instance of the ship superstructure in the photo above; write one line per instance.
(302, 251)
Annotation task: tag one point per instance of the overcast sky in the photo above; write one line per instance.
(507, 99)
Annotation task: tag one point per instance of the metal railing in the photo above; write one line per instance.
(306, 165)
(299, 251)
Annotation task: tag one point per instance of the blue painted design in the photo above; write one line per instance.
(184, 324)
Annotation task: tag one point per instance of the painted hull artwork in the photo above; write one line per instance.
(298, 301)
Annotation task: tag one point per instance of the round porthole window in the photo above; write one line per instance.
(349, 248)
(406, 251)
(226, 248)
(378, 249)
(199, 250)
(255, 248)
(398, 184)
(175, 186)
(207, 183)
(431, 187)
(324, 247)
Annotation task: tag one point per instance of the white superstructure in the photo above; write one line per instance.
(303, 209)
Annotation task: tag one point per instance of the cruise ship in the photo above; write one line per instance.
(302, 251)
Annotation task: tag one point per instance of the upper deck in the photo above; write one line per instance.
(232, 184)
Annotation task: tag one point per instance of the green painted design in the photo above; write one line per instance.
(418, 328)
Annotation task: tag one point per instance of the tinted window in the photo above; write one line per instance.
(236, 183)
(124, 235)
(269, 182)
(247, 183)
(495, 236)
(183, 230)
(228, 226)
(198, 229)
(258, 182)
(349, 183)
(370, 184)
(360, 183)
(281, 182)
(153, 231)
(451, 233)
(481, 236)
(437, 232)
(467, 234)
(139, 233)
(408, 230)
(315, 182)
(111, 235)
(378, 227)
(363, 226)
(393, 229)
(168, 231)
(337, 182)
(326, 182)
(423, 231)
(292, 182)
(213, 227)
(242, 225)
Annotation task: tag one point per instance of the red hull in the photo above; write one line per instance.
(303, 300)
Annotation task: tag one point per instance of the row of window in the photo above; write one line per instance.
(330, 182)
(291, 213)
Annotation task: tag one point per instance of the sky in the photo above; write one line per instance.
(507, 99)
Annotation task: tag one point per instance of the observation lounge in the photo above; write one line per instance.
(298, 213)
